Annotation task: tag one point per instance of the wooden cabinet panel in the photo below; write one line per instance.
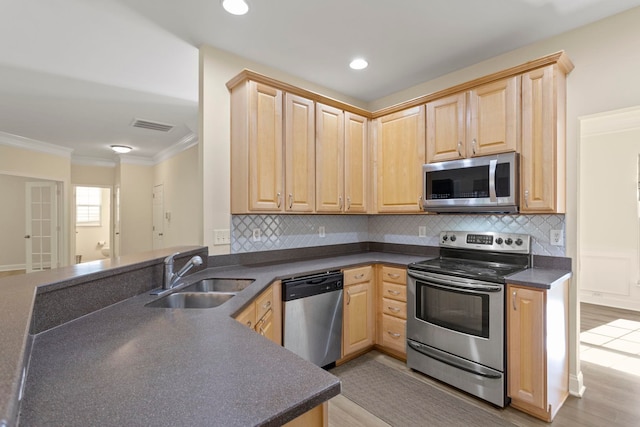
(394, 275)
(330, 159)
(358, 330)
(446, 128)
(537, 349)
(400, 152)
(482, 121)
(264, 314)
(356, 163)
(393, 334)
(494, 111)
(300, 157)
(316, 417)
(542, 158)
(248, 316)
(265, 148)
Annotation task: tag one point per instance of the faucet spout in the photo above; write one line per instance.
(170, 278)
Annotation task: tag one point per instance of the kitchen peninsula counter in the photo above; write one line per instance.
(134, 365)
(128, 364)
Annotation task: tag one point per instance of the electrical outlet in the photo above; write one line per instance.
(321, 231)
(556, 237)
(221, 237)
(422, 231)
(257, 234)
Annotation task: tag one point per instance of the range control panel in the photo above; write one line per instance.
(487, 241)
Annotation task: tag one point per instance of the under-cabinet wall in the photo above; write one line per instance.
(299, 231)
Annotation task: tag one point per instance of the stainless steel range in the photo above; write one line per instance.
(456, 310)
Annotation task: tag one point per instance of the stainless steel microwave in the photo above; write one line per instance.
(475, 185)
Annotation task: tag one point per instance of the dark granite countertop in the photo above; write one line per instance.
(135, 365)
(542, 278)
(129, 364)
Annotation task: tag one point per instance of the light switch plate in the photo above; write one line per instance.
(222, 237)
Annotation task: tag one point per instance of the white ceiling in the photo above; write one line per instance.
(76, 73)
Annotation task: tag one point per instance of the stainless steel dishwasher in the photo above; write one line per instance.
(312, 310)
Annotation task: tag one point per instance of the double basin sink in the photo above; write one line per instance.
(205, 293)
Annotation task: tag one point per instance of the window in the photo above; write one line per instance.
(88, 206)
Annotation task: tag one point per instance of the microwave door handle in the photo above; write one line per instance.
(492, 180)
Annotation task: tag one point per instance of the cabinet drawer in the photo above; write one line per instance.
(394, 308)
(357, 275)
(394, 333)
(394, 275)
(394, 291)
(263, 303)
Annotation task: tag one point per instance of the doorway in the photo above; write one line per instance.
(93, 223)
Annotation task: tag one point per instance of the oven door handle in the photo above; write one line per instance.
(452, 283)
(449, 360)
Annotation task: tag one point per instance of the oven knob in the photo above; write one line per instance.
(508, 241)
(445, 238)
(519, 242)
(453, 238)
(499, 240)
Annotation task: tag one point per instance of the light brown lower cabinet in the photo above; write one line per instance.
(264, 314)
(316, 417)
(358, 323)
(392, 310)
(537, 349)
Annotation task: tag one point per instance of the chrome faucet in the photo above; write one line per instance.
(170, 278)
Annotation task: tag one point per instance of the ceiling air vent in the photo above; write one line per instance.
(148, 124)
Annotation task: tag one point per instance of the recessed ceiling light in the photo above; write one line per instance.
(121, 149)
(359, 64)
(235, 7)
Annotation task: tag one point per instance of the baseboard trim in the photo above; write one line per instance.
(12, 267)
(576, 385)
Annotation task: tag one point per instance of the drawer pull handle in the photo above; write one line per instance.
(249, 323)
(267, 304)
(359, 276)
(392, 292)
(394, 309)
(348, 297)
(394, 334)
(513, 300)
(278, 199)
(290, 200)
(394, 275)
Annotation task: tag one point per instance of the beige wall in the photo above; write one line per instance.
(12, 226)
(182, 198)
(136, 184)
(26, 163)
(98, 176)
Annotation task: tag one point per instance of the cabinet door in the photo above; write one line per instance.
(300, 159)
(265, 148)
(329, 159)
(356, 160)
(400, 149)
(542, 158)
(526, 346)
(358, 330)
(493, 118)
(446, 125)
(248, 316)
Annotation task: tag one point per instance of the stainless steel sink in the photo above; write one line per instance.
(218, 285)
(192, 300)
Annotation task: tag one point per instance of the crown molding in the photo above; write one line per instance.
(610, 122)
(127, 159)
(21, 142)
(184, 144)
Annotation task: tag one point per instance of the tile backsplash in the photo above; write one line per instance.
(297, 231)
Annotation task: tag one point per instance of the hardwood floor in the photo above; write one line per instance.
(610, 350)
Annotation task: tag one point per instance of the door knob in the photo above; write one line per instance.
(27, 236)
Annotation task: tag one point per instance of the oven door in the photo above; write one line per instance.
(459, 316)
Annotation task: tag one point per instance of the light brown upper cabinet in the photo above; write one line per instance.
(478, 122)
(271, 170)
(400, 153)
(341, 160)
(542, 156)
(299, 155)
